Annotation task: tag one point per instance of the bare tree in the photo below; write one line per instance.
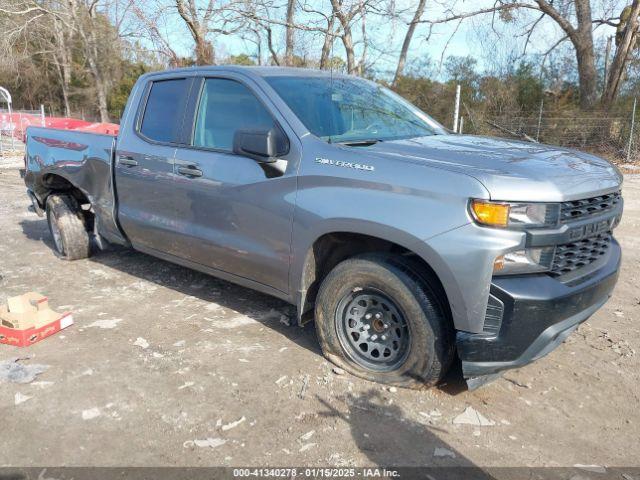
(622, 55)
(346, 16)
(327, 45)
(290, 30)
(89, 24)
(257, 17)
(365, 42)
(581, 36)
(402, 58)
(62, 59)
(254, 35)
(578, 30)
(150, 20)
(198, 25)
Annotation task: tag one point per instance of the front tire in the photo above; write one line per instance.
(67, 226)
(379, 320)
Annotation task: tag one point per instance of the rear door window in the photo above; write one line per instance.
(225, 107)
(164, 111)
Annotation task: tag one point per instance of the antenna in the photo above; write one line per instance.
(330, 33)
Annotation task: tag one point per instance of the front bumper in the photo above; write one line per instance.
(540, 312)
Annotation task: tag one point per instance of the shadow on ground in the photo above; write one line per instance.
(387, 436)
(189, 282)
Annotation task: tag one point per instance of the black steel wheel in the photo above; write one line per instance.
(380, 319)
(372, 330)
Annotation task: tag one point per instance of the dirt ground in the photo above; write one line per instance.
(166, 366)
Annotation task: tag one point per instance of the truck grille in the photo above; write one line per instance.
(575, 255)
(577, 209)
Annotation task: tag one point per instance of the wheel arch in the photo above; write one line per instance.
(330, 247)
(53, 184)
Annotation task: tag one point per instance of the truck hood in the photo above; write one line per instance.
(510, 170)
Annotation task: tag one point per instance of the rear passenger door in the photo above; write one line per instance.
(235, 213)
(144, 165)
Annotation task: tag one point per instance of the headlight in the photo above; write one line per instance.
(530, 260)
(515, 215)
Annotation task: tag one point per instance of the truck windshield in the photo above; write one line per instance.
(350, 110)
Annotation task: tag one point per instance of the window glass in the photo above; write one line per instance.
(349, 109)
(227, 106)
(164, 111)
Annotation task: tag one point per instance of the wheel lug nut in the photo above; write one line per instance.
(365, 328)
(367, 316)
(378, 315)
(383, 337)
(386, 325)
(374, 337)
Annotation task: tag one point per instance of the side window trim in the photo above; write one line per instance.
(191, 112)
(193, 108)
(143, 107)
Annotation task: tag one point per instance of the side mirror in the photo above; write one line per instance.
(264, 146)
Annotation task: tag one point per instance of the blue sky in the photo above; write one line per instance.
(489, 44)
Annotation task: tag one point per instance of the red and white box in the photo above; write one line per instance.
(27, 319)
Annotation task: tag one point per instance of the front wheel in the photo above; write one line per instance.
(376, 318)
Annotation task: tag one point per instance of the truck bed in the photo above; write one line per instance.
(84, 159)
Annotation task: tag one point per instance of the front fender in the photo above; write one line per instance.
(403, 216)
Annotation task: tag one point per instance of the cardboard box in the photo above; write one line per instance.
(27, 319)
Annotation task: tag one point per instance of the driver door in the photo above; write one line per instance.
(234, 215)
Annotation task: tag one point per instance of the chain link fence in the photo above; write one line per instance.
(11, 152)
(616, 137)
(13, 126)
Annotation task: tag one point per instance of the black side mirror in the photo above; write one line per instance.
(264, 146)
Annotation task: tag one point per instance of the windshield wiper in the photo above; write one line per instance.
(360, 143)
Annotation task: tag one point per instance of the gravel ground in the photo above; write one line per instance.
(166, 366)
(11, 158)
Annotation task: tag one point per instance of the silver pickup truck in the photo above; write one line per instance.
(410, 246)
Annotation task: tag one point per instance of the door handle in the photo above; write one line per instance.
(190, 171)
(127, 160)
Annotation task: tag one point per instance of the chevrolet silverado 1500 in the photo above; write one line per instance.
(409, 245)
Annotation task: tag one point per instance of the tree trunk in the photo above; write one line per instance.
(64, 86)
(288, 55)
(203, 49)
(407, 41)
(62, 60)
(587, 75)
(101, 90)
(347, 41)
(259, 47)
(328, 43)
(363, 57)
(582, 39)
(585, 55)
(101, 84)
(86, 27)
(346, 37)
(621, 57)
(274, 55)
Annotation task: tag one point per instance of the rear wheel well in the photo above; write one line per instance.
(58, 185)
(332, 248)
